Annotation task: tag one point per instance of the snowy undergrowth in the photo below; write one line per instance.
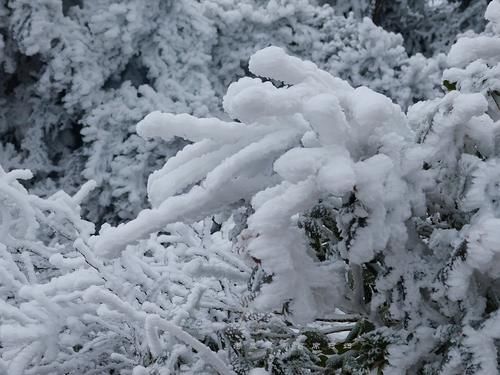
(63, 310)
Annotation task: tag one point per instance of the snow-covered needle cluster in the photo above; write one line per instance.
(299, 224)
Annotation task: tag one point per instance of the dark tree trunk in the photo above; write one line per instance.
(378, 11)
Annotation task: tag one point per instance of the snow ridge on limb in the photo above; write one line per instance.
(154, 322)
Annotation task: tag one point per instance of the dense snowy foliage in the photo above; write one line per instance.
(428, 26)
(78, 76)
(333, 210)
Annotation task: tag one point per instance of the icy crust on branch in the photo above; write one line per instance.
(474, 59)
(467, 50)
(312, 138)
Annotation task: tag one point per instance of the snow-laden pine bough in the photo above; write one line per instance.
(405, 246)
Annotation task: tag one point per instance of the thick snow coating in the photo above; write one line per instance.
(80, 74)
(232, 158)
(336, 214)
